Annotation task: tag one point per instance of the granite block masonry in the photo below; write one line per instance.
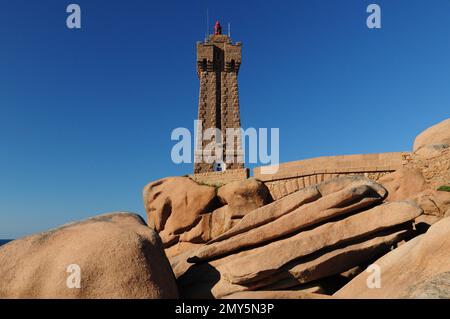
(218, 63)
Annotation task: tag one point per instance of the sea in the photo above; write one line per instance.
(4, 241)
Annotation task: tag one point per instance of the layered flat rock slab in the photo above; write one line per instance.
(293, 201)
(418, 269)
(292, 275)
(270, 212)
(268, 259)
(335, 204)
(436, 135)
(116, 256)
(336, 261)
(277, 294)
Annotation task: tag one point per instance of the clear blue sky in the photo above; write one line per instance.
(86, 115)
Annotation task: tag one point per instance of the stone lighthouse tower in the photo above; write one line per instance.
(218, 62)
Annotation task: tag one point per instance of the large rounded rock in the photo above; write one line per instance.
(244, 196)
(433, 202)
(438, 134)
(403, 184)
(175, 205)
(109, 256)
(431, 151)
(418, 269)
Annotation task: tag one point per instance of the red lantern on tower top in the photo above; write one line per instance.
(217, 28)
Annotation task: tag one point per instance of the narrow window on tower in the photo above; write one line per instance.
(232, 66)
(204, 65)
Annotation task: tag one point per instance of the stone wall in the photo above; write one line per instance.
(435, 167)
(293, 176)
(221, 178)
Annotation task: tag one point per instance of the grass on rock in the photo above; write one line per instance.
(444, 188)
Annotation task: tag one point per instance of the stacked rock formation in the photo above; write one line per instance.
(292, 243)
(236, 242)
(434, 138)
(186, 214)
